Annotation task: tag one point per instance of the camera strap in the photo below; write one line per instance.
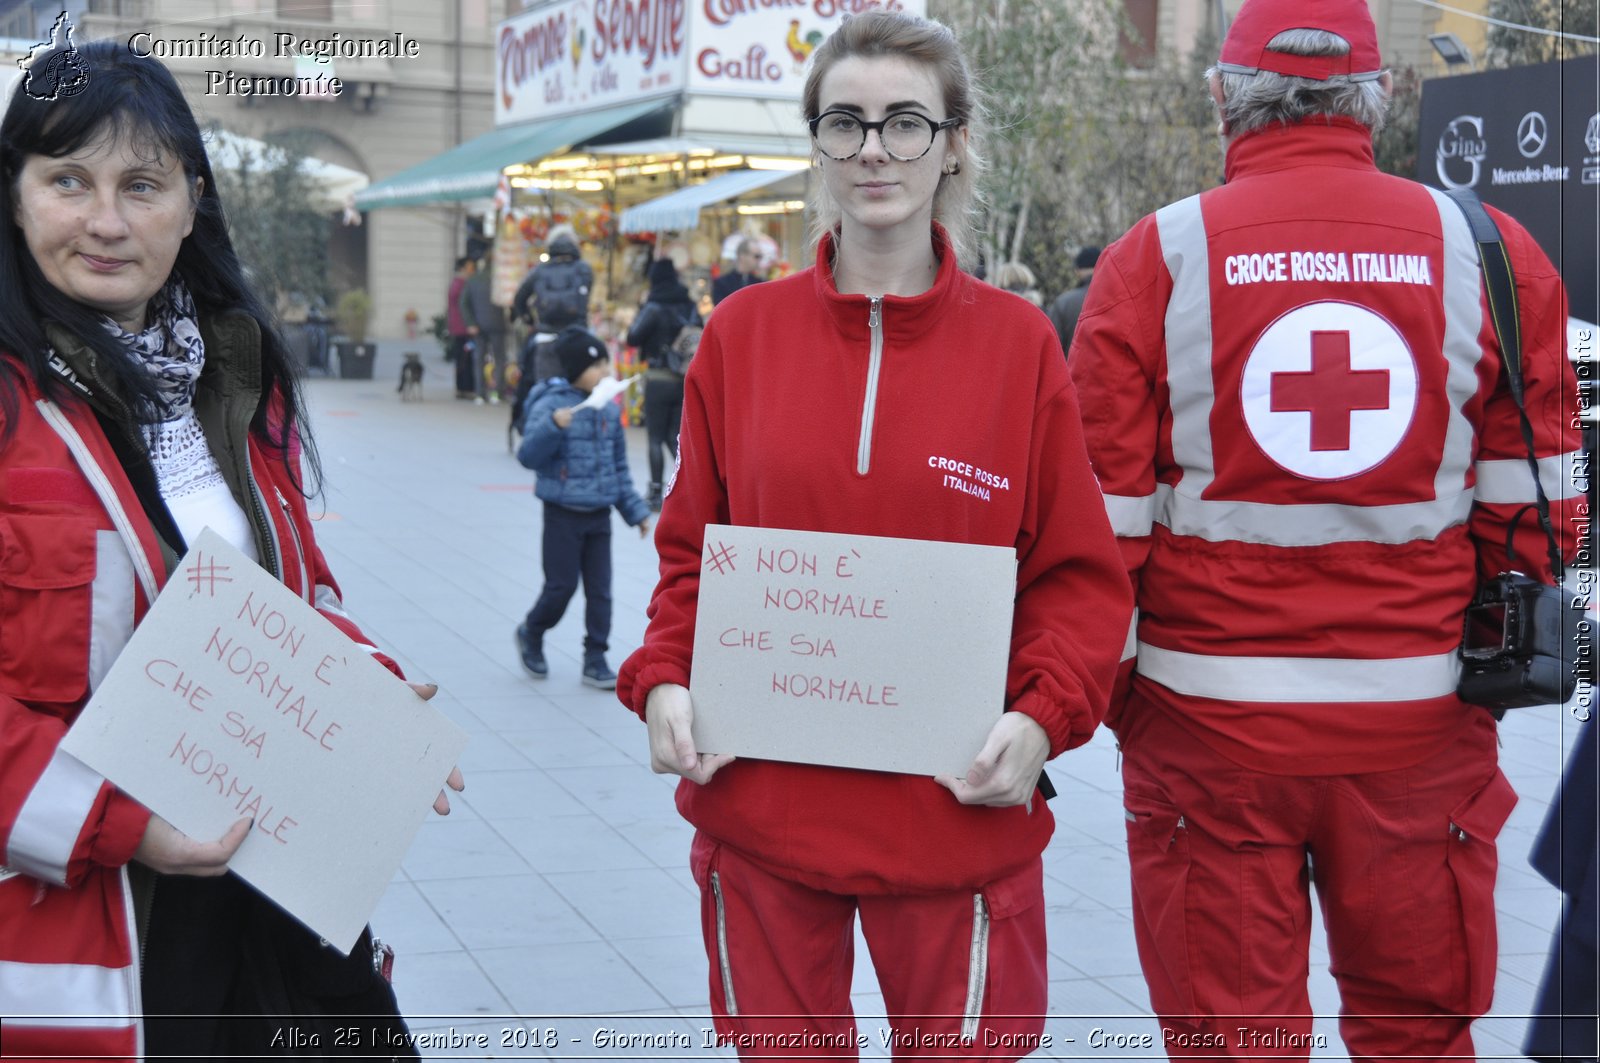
(1501, 289)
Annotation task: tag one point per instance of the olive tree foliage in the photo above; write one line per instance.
(1081, 144)
(1395, 146)
(279, 231)
(1508, 46)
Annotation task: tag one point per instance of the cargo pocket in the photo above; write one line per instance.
(703, 861)
(47, 569)
(1474, 825)
(1158, 853)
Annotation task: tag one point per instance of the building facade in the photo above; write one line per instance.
(414, 78)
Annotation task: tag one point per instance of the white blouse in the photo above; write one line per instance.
(192, 484)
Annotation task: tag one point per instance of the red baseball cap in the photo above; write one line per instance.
(1258, 21)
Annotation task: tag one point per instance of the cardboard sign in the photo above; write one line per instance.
(852, 650)
(235, 698)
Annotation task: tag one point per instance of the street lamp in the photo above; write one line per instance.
(1452, 49)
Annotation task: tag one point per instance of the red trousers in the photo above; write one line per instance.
(1404, 867)
(963, 974)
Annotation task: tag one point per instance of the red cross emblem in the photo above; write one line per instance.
(1331, 391)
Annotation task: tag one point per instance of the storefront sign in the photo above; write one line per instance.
(581, 55)
(760, 48)
(854, 650)
(1527, 140)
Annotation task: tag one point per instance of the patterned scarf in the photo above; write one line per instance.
(169, 348)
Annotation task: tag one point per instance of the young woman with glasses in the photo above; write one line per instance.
(886, 392)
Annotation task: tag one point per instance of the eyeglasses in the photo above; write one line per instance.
(905, 135)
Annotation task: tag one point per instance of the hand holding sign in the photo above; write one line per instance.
(167, 849)
(1006, 771)
(669, 714)
(454, 781)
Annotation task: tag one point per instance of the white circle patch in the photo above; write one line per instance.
(1329, 390)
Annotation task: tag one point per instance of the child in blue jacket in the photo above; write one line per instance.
(580, 457)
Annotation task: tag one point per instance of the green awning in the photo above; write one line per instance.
(472, 170)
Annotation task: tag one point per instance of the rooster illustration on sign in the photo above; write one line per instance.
(65, 74)
(801, 47)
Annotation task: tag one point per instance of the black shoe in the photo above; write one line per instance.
(598, 674)
(653, 500)
(533, 661)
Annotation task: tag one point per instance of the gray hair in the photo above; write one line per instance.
(956, 203)
(1255, 101)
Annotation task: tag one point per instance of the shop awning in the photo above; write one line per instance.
(471, 170)
(680, 210)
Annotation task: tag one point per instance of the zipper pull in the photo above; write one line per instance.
(874, 317)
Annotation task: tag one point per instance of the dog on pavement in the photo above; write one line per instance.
(411, 378)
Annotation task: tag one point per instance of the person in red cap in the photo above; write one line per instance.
(1294, 401)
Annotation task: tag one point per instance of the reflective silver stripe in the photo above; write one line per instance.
(977, 969)
(1182, 231)
(111, 604)
(1220, 520)
(1318, 680)
(1130, 649)
(66, 994)
(328, 602)
(51, 818)
(132, 972)
(869, 405)
(107, 494)
(1131, 515)
(1461, 290)
(1509, 482)
(728, 1002)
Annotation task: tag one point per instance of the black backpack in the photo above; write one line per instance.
(561, 293)
(680, 352)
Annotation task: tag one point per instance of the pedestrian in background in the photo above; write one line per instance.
(814, 404)
(553, 296)
(742, 275)
(1066, 307)
(1567, 854)
(456, 326)
(1309, 470)
(667, 310)
(1018, 279)
(580, 456)
(486, 324)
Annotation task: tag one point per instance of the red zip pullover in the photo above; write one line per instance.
(945, 416)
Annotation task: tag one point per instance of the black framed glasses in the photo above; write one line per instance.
(905, 135)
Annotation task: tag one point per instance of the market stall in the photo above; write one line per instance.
(725, 156)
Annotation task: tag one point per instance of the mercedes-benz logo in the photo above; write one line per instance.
(1532, 132)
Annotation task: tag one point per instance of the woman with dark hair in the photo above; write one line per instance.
(144, 396)
(667, 309)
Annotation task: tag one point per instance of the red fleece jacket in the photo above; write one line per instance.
(778, 432)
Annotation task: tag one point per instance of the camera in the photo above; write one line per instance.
(1523, 643)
